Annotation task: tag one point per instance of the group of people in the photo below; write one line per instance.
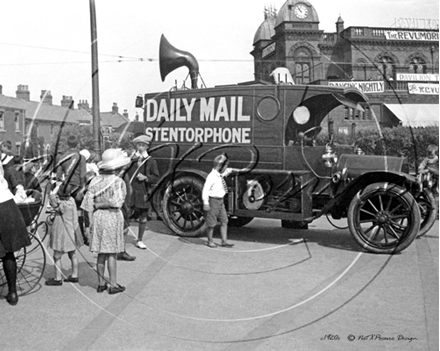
(93, 203)
(107, 196)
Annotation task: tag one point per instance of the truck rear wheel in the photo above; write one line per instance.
(428, 211)
(384, 218)
(182, 207)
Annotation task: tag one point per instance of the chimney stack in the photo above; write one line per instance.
(125, 114)
(22, 92)
(1, 89)
(67, 101)
(84, 105)
(115, 108)
(46, 97)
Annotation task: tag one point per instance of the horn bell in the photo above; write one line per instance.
(171, 58)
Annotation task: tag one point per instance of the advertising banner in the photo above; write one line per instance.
(366, 87)
(423, 89)
(417, 77)
(222, 119)
(410, 35)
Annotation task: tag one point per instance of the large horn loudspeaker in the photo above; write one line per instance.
(171, 58)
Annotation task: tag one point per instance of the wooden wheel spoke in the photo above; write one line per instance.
(398, 226)
(391, 231)
(372, 205)
(396, 208)
(368, 212)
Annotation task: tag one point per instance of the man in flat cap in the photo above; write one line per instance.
(143, 173)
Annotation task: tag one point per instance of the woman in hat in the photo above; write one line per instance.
(13, 236)
(143, 173)
(103, 201)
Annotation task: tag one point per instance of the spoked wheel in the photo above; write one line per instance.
(183, 207)
(384, 218)
(40, 231)
(31, 262)
(428, 211)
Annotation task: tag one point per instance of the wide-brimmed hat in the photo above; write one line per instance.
(113, 159)
(142, 139)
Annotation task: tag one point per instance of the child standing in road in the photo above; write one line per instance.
(65, 236)
(102, 202)
(214, 190)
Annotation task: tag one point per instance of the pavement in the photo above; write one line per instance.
(276, 289)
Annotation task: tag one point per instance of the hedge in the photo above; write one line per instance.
(398, 141)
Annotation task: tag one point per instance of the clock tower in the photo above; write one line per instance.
(294, 44)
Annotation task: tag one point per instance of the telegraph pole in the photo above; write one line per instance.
(95, 81)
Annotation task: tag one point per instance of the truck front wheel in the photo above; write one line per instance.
(384, 218)
(182, 207)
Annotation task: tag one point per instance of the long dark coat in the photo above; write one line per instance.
(141, 191)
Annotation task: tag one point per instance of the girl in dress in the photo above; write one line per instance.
(13, 236)
(103, 202)
(65, 236)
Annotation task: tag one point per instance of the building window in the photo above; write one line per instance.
(359, 31)
(417, 65)
(346, 113)
(387, 67)
(302, 73)
(17, 121)
(2, 120)
(51, 128)
(17, 148)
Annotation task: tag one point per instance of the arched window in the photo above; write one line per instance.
(417, 65)
(303, 66)
(387, 67)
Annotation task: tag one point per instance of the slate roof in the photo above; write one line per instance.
(46, 112)
(114, 119)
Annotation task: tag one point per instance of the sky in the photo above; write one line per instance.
(46, 44)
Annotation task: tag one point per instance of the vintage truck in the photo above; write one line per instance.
(268, 133)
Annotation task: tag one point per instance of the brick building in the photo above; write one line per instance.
(396, 67)
(18, 114)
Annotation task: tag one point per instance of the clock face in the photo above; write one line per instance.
(301, 11)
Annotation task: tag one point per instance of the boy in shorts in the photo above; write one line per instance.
(213, 193)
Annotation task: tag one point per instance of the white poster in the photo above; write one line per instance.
(423, 89)
(417, 77)
(365, 87)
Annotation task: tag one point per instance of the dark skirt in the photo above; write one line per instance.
(13, 232)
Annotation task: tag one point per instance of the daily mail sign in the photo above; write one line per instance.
(367, 87)
(222, 119)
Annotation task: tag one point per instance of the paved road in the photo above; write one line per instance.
(277, 289)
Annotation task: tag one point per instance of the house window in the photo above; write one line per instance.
(51, 128)
(17, 121)
(2, 121)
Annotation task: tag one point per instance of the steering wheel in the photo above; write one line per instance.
(315, 129)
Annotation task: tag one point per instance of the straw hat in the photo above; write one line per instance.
(113, 159)
(142, 139)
